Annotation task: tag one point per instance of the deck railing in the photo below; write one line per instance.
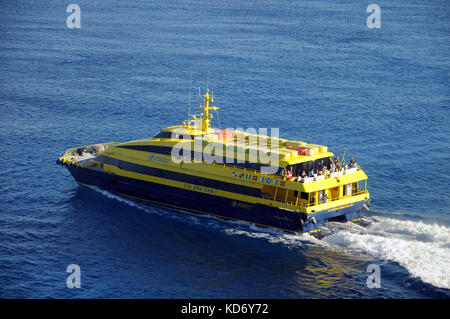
(71, 156)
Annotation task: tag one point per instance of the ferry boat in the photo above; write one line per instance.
(197, 168)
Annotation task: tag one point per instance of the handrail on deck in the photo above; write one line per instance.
(298, 204)
(71, 155)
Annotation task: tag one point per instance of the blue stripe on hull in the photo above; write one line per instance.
(190, 200)
(200, 202)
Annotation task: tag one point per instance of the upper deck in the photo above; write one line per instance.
(233, 162)
(199, 142)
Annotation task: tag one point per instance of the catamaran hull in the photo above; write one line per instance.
(204, 203)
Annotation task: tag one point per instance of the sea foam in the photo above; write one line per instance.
(423, 249)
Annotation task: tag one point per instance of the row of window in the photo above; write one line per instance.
(192, 155)
(164, 134)
(186, 178)
(315, 166)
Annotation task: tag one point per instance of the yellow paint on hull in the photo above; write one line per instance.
(142, 158)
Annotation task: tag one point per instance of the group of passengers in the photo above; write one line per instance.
(335, 166)
(344, 164)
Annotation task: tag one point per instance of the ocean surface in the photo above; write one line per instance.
(313, 69)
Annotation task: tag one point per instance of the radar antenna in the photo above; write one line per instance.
(206, 108)
(189, 103)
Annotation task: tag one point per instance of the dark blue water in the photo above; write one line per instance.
(311, 68)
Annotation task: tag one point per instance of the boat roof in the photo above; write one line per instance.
(290, 152)
(196, 128)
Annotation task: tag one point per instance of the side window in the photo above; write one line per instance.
(163, 134)
(347, 190)
(312, 198)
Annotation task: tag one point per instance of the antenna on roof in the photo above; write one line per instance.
(218, 118)
(189, 109)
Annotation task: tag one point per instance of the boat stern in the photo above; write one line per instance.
(345, 212)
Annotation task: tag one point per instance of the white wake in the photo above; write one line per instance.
(423, 249)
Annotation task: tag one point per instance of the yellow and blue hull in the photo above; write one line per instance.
(205, 202)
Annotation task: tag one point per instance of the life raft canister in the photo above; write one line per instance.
(224, 134)
(300, 150)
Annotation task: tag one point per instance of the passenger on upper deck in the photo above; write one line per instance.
(335, 166)
(290, 174)
(336, 161)
(353, 163)
(301, 176)
(344, 165)
(332, 167)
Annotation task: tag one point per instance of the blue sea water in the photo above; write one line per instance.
(311, 68)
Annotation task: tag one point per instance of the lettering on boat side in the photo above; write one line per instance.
(157, 158)
(240, 205)
(341, 207)
(199, 188)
